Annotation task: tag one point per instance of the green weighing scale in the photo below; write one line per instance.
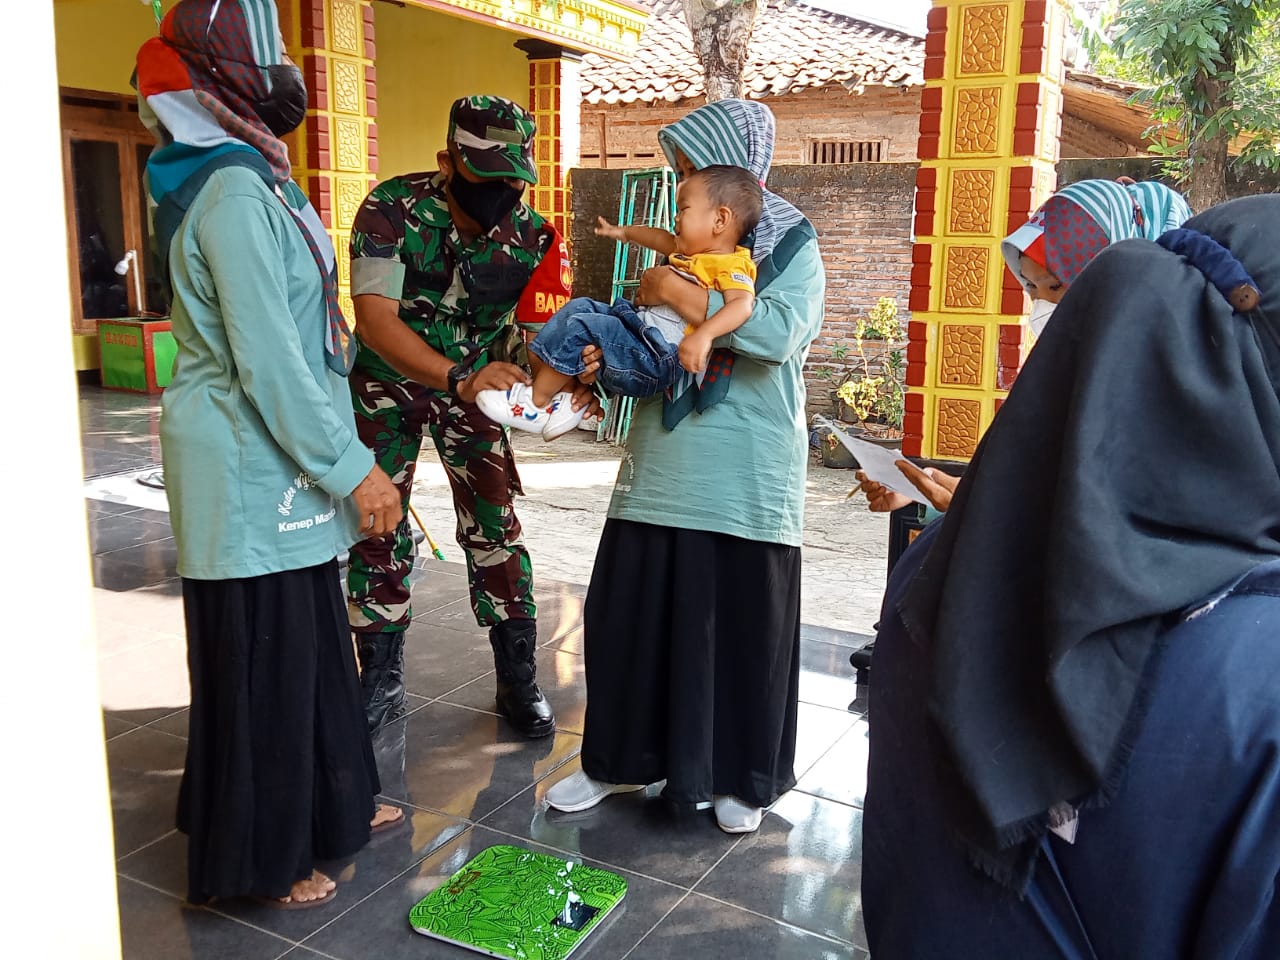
(514, 903)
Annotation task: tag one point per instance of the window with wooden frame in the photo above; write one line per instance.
(114, 272)
(846, 151)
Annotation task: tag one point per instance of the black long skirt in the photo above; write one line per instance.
(280, 771)
(692, 644)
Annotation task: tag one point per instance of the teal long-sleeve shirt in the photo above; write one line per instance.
(258, 438)
(739, 468)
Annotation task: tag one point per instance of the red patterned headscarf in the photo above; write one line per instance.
(197, 84)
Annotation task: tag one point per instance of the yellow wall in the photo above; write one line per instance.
(426, 60)
(97, 41)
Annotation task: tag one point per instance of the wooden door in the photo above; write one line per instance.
(113, 271)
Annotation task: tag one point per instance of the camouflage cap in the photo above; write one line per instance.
(494, 137)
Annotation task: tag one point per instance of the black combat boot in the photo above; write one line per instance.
(381, 676)
(519, 699)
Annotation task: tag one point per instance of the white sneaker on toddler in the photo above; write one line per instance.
(514, 407)
(561, 416)
(579, 792)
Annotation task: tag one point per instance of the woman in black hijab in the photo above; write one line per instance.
(1075, 725)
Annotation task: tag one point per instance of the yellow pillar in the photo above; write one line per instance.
(989, 128)
(555, 100)
(335, 154)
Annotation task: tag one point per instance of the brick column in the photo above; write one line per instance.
(989, 127)
(335, 154)
(555, 100)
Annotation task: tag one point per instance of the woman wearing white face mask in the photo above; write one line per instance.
(1075, 225)
(1046, 254)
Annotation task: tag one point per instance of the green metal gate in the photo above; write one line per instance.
(649, 200)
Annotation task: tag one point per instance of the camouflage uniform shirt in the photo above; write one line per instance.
(404, 246)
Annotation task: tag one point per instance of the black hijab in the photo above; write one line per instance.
(1133, 470)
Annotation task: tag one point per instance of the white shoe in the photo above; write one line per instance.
(562, 417)
(513, 407)
(734, 816)
(580, 792)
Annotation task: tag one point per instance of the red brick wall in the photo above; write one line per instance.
(1081, 139)
(625, 135)
(862, 213)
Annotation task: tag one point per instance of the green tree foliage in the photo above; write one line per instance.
(1213, 69)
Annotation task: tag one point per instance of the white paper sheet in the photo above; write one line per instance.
(877, 463)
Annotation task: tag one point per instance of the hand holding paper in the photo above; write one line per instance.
(905, 481)
(877, 463)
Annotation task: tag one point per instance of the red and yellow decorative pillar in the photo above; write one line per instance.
(555, 100)
(335, 154)
(989, 128)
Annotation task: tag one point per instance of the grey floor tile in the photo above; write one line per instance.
(145, 768)
(843, 638)
(561, 677)
(96, 509)
(438, 659)
(164, 865)
(112, 573)
(117, 531)
(571, 642)
(455, 615)
(436, 599)
(160, 555)
(175, 724)
(826, 679)
(155, 926)
(143, 717)
(379, 927)
(803, 867)
(818, 728)
(104, 462)
(841, 774)
(559, 609)
(434, 590)
(634, 831)
(389, 750)
(466, 764)
(114, 726)
(708, 930)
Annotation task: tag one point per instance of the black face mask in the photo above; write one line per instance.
(285, 107)
(485, 203)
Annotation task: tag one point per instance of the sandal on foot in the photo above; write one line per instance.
(288, 903)
(388, 825)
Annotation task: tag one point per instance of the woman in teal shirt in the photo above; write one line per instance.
(692, 622)
(267, 482)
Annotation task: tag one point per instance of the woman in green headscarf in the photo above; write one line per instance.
(692, 621)
(266, 479)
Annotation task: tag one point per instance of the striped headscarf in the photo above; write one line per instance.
(735, 133)
(197, 83)
(731, 133)
(1079, 221)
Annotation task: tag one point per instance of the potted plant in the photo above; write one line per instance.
(872, 391)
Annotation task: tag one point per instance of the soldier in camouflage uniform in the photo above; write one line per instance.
(438, 263)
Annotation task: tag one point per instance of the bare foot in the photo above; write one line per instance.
(384, 814)
(316, 887)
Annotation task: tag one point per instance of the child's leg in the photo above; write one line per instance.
(547, 381)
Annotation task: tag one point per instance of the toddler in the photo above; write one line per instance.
(644, 349)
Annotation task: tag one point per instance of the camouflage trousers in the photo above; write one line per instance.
(391, 419)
